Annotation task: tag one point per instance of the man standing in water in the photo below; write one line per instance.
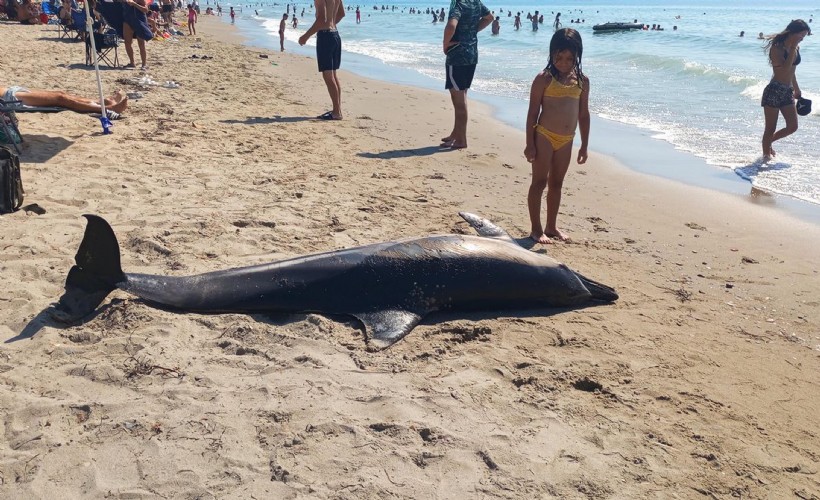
(282, 26)
(328, 50)
(466, 19)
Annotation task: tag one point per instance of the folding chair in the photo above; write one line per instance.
(66, 28)
(50, 12)
(105, 43)
(9, 124)
(78, 24)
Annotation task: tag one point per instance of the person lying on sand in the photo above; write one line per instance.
(57, 98)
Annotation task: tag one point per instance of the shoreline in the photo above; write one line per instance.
(701, 377)
(651, 156)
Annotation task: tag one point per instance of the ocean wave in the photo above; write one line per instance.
(754, 91)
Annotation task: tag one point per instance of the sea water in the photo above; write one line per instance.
(697, 87)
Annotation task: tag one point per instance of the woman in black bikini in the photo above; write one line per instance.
(779, 95)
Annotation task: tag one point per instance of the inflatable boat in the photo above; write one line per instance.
(617, 26)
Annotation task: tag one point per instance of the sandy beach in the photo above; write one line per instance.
(700, 382)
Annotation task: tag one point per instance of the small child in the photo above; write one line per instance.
(295, 21)
(191, 20)
(282, 26)
(559, 102)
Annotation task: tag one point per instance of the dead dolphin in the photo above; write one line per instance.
(388, 286)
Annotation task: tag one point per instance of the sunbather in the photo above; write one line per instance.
(28, 12)
(115, 104)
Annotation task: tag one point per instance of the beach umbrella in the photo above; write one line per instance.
(89, 30)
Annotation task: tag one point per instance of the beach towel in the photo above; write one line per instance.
(116, 14)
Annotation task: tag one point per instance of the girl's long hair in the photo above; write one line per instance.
(567, 39)
(796, 26)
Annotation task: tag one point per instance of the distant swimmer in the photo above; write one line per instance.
(496, 26)
(517, 23)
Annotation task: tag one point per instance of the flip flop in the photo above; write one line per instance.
(327, 116)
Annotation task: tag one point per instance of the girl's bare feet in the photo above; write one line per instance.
(555, 233)
(540, 237)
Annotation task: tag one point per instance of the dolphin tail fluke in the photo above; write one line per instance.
(486, 228)
(599, 291)
(95, 274)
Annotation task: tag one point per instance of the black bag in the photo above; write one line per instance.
(11, 185)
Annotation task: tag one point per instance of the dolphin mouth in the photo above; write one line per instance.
(599, 291)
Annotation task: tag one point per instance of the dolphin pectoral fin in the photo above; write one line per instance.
(486, 228)
(385, 328)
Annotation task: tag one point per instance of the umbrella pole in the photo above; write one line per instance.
(89, 32)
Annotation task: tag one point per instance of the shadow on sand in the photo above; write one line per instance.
(405, 153)
(41, 148)
(262, 120)
(46, 317)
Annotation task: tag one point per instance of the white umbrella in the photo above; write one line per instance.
(89, 30)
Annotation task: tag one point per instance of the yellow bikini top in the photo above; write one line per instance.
(557, 89)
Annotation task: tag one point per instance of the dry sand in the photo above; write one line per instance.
(701, 382)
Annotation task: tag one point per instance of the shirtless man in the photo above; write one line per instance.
(57, 98)
(328, 50)
(282, 25)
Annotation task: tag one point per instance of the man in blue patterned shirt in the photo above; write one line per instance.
(466, 19)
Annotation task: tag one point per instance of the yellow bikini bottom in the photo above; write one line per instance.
(558, 141)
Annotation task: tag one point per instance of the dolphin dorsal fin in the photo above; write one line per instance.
(486, 228)
(385, 328)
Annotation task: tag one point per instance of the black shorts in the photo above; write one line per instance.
(167, 8)
(459, 77)
(328, 50)
(777, 95)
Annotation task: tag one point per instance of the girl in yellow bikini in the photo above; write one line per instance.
(559, 102)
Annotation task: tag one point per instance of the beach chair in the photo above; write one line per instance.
(106, 43)
(77, 26)
(9, 129)
(50, 13)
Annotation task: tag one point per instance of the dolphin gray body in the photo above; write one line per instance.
(389, 286)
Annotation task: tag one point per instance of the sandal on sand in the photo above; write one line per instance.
(327, 116)
(129, 66)
(112, 115)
